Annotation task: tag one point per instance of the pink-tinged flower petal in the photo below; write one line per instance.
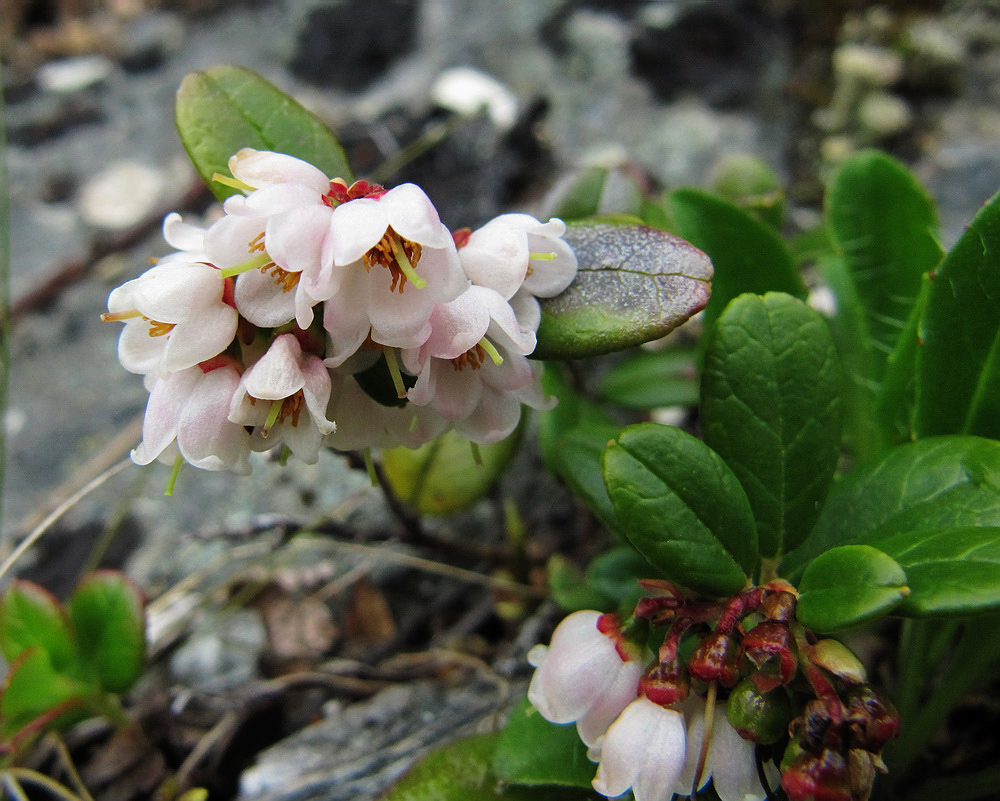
(642, 750)
(170, 292)
(458, 325)
(356, 227)
(399, 320)
(181, 235)
(302, 440)
(494, 418)
(316, 390)
(263, 302)
(442, 270)
(280, 198)
(262, 168)
(412, 215)
(200, 337)
(505, 328)
(163, 411)
(346, 319)
(227, 242)
(496, 256)
(276, 375)
(138, 351)
(295, 239)
(456, 395)
(205, 436)
(609, 704)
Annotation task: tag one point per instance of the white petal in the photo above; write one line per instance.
(494, 418)
(548, 277)
(263, 302)
(281, 198)
(276, 375)
(345, 318)
(181, 235)
(459, 325)
(163, 411)
(262, 167)
(137, 350)
(295, 239)
(610, 703)
(200, 338)
(496, 257)
(412, 215)
(175, 291)
(206, 437)
(732, 764)
(227, 242)
(355, 228)
(316, 391)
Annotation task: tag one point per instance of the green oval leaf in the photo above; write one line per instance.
(633, 284)
(958, 361)
(748, 255)
(108, 615)
(885, 225)
(226, 108)
(531, 750)
(463, 771)
(30, 616)
(34, 689)
(950, 571)
(847, 586)
(442, 476)
(941, 482)
(577, 460)
(770, 406)
(652, 379)
(682, 508)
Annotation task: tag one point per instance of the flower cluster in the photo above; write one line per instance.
(666, 724)
(320, 313)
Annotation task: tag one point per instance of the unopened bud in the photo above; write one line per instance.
(838, 659)
(665, 683)
(817, 778)
(872, 720)
(779, 605)
(714, 659)
(758, 717)
(861, 770)
(768, 647)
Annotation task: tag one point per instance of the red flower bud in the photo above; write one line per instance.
(768, 647)
(714, 659)
(817, 778)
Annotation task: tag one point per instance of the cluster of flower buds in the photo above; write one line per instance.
(716, 701)
(316, 312)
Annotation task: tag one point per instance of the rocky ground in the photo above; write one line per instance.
(402, 651)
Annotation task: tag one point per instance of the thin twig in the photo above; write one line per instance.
(69, 767)
(58, 512)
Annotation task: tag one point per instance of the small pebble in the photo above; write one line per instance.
(121, 196)
(467, 91)
(73, 74)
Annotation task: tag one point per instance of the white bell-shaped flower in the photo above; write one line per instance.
(730, 761)
(582, 677)
(643, 750)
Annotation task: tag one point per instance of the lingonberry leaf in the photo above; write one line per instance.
(226, 108)
(633, 284)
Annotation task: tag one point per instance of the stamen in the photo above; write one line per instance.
(541, 256)
(252, 264)
(174, 472)
(256, 245)
(488, 346)
(397, 376)
(158, 329)
(404, 262)
(272, 417)
(473, 358)
(117, 317)
(286, 279)
(225, 180)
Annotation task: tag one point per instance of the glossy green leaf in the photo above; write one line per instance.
(770, 406)
(634, 284)
(463, 771)
(442, 476)
(941, 482)
(894, 404)
(950, 571)
(847, 586)
(226, 108)
(531, 750)
(577, 460)
(34, 688)
(682, 508)
(885, 226)
(652, 379)
(31, 616)
(108, 615)
(748, 254)
(958, 363)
